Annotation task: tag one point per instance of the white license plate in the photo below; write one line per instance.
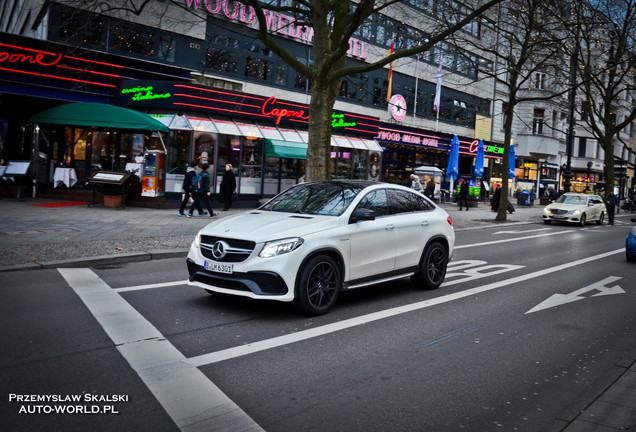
(218, 267)
(558, 217)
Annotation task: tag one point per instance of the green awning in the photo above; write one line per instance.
(285, 149)
(98, 115)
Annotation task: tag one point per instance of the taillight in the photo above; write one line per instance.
(450, 221)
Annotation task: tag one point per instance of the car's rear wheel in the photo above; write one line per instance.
(432, 269)
(600, 219)
(318, 286)
(547, 221)
(582, 221)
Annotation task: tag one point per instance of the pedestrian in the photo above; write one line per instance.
(610, 204)
(228, 186)
(463, 194)
(187, 188)
(430, 188)
(415, 183)
(201, 190)
(496, 196)
(551, 195)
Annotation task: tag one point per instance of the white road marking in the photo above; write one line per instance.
(521, 232)
(254, 347)
(512, 239)
(560, 299)
(193, 402)
(150, 286)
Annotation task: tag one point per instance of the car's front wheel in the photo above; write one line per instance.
(432, 269)
(600, 219)
(582, 221)
(318, 286)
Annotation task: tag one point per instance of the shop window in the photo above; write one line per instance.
(221, 60)
(257, 68)
(78, 27)
(133, 40)
(251, 167)
(281, 74)
(178, 155)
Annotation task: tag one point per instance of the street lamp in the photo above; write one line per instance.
(570, 139)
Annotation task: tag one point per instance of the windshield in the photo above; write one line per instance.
(326, 199)
(572, 199)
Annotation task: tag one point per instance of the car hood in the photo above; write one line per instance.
(568, 207)
(261, 226)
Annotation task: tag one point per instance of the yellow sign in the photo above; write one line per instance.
(483, 126)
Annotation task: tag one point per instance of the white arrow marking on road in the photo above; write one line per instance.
(560, 299)
(521, 232)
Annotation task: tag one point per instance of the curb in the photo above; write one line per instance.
(100, 260)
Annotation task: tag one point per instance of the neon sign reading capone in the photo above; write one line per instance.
(279, 113)
(145, 93)
(29, 58)
(276, 22)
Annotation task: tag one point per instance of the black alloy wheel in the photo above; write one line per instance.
(318, 286)
(432, 270)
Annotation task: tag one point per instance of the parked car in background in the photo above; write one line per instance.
(578, 208)
(630, 243)
(316, 239)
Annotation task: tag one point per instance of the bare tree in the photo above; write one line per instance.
(334, 23)
(608, 63)
(522, 42)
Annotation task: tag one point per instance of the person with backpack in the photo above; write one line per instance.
(187, 188)
(201, 190)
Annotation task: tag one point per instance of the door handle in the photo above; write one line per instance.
(425, 223)
(389, 227)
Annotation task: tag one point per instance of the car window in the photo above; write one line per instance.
(401, 201)
(328, 199)
(377, 201)
(571, 199)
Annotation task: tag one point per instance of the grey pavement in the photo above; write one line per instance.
(35, 237)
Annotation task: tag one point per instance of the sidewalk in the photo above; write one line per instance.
(35, 237)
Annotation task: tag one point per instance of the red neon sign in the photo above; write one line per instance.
(28, 58)
(279, 113)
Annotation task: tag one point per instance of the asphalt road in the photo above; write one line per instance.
(524, 331)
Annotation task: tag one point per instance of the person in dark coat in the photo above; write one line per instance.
(187, 188)
(496, 196)
(204, 194)
(430, 188)
(228, 186)
(463, 194)
(610, 204)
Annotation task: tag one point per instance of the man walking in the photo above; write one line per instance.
(201, 190)
(610, 204)
(187, 188)
(463, 194)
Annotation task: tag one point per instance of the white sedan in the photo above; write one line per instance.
(316, 239)
(578, 208)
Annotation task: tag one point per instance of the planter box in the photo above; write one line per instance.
(114, 201)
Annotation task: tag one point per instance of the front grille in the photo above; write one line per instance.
(558, 211)
(237, 250)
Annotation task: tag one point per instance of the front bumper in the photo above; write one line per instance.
(251, 284)
(562, 217)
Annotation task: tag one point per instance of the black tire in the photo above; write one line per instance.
(432, 269)
(547, 222)
(630, 257)
(600, 219)
(582, 221)
(318, 286)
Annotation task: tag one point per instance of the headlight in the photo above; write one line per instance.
(546, 210)
(197, 239)
(575, 212)
(279, 247)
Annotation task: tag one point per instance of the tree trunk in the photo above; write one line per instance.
(502, 215)
(323, 98)
(608, 146)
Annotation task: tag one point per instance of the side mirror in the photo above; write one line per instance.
(362, 214)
